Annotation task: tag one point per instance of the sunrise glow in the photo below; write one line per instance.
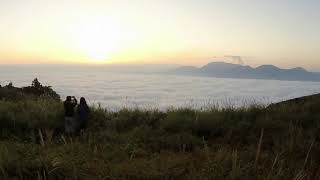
(162, 32)
(96, 38)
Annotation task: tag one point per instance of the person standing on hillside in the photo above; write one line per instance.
(83, 113)
(70, 123)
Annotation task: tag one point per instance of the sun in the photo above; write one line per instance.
(97, 39)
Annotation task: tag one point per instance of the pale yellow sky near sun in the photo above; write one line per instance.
(161, 32)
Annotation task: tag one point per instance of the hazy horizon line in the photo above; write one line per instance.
(146, 64)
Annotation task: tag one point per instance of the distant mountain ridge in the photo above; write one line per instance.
(229, 70)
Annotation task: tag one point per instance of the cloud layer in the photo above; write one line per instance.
(117, 90)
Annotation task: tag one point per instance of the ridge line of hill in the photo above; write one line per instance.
(229, 70)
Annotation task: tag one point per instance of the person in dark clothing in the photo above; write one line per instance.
(70, 122)
(83, 113)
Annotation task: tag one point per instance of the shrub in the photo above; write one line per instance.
(180, 120)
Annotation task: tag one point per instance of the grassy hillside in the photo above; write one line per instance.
(281, 141)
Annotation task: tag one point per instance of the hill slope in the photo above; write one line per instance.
(279, 142)
(311, 100)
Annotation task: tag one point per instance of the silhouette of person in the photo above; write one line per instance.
(83, 113)
(70, 122)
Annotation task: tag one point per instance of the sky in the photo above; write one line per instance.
(193, 32)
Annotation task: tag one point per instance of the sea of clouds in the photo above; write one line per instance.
(115, 88)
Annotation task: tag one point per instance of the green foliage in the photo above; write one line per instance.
(22, 118)
(180, 120)
(36, 90)
(217, 143)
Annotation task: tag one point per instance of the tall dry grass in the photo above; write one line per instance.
(217, 143)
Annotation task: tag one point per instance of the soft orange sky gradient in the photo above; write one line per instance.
(284, 33)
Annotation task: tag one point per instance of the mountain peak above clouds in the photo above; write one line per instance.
(229, 70)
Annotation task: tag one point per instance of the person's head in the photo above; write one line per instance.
(68, 98)
(83, 101)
